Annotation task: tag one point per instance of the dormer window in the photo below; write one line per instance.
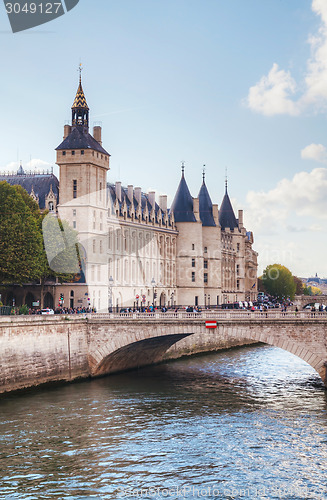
(51, 206)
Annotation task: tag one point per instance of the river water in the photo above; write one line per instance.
(243, 423)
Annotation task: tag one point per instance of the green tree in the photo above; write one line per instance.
(315, 290)
(33, 245)
(261, 287)
(21, 247)
(278, 281)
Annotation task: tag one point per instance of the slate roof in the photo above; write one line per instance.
(205, 206)
(226, 214)
(182, 205)
(40, 183)
(144, 202)
(79, 139)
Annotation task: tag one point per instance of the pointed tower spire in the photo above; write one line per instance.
(80, 109)
(182, 206)
(205, 204)
(226, 213)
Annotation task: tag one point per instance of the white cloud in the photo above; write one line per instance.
(37, 164)
(272, 94)
(316, 79)
(305, 195)
(316, 152)
(34, 164)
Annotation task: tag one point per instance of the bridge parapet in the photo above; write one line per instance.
(37, 349)
(302, 300)
(216, 315)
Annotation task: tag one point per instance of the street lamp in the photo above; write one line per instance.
(111, 282)
(153, 283)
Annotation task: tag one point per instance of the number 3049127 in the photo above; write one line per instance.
(33, 8)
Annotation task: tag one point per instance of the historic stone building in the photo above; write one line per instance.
(135, 250)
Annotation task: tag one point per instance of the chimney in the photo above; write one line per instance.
(118, 191)
(215, 214)
(137, 194)
(163, 202)
(67, 130)
(130, 192)
(152, 198)
(240, 219)
(196, 208)
(97, 134)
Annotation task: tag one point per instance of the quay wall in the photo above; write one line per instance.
(37, 351)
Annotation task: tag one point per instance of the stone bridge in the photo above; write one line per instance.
(35, 350)
(303, 300)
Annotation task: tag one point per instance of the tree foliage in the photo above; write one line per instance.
(21, 246)
(33, 246)
(299, 290)
(278, 281)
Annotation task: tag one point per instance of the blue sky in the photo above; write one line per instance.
(240, 84)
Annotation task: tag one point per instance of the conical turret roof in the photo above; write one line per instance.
(182, 205)
(226, 213)
(80, 100)
(205, 206)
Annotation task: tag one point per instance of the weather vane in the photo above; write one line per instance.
(203, 172)
(80, 69)
(183, 167)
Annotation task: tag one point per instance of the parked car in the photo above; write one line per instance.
(47, 311)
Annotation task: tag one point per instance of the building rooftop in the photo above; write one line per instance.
(80, 139)
(39, 183)
(182, 205)
(205, 206)
(226, 213)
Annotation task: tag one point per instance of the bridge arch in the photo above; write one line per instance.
(144, 344)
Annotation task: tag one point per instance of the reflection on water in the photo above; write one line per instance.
(243, 423)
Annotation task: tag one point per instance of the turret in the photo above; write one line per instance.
(205, 205)
(226, 213)
(182, 206)
(80, 109)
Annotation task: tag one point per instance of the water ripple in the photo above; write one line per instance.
(249, 423)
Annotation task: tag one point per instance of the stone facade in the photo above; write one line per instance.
(150, 253)
(137, 251)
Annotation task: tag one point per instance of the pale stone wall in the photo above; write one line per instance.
(36, 350)
(189, 246)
